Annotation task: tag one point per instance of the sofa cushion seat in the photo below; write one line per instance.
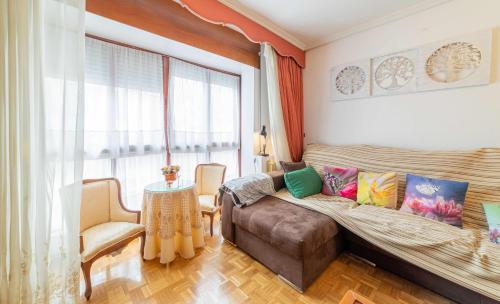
(103, 236)
(294, 230)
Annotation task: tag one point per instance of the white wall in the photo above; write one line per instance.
(448, 119)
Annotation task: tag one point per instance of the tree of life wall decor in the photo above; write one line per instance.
(351, 80)
(450, 63)
(394, 73)
(456, 62)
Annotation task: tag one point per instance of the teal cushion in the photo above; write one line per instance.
(303, 182)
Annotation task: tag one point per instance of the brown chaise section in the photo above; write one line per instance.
(296, 243)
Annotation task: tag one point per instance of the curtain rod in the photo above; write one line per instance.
(157, 53)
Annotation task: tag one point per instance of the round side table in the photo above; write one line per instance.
(173, 220)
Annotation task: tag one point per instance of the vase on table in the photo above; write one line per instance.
(170, 178)
(170, 173)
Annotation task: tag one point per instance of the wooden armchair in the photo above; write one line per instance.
(105, 224)
(208, 179)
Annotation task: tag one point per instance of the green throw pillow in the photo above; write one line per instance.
(303, 182)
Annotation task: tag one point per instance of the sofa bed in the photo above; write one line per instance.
(298, 242)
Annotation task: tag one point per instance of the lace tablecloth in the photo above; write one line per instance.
(173, 221)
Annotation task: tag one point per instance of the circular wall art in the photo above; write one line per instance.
(394, 72)
(452, 62)
(350, 80)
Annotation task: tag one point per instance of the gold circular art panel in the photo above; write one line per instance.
(453, 62)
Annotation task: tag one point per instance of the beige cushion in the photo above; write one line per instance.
(102, 236)
(95, 204)
(209, 178)
(207, 202)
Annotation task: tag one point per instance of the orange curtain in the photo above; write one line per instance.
(292, 104)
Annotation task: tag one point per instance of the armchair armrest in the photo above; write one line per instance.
(122, 214)
(217, 200)
(82, 248)
(118, 211)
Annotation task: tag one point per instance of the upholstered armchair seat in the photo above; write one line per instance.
(106, 225)
(207, 202)
(103, 236)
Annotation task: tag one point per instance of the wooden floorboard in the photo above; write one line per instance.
(221, 273)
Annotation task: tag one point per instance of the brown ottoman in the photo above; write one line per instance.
(294, 242)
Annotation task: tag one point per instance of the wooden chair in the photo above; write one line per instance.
(208, 179)
(105, 224)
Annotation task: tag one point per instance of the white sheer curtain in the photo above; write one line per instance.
(277, 130)
(41, 143)
(203, 117)
(124, 116)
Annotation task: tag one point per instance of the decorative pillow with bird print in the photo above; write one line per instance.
(379, 189)
(340, 182)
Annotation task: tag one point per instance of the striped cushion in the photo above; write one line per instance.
(481, 168)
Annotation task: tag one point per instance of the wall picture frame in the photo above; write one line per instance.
(456, 62)
(394, 73)
(350, 80)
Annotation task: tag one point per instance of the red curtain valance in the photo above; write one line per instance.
(169, 19)
(216, 12)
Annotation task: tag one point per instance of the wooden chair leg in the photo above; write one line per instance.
(212, 224)
(86, 275)
(143, 243)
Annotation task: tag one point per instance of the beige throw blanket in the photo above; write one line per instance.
(463, 256)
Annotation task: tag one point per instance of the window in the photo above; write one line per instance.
(124, 117)
(203, 117)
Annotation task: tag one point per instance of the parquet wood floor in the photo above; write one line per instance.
(221, 273)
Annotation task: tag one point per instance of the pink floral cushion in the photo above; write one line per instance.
(437, 199)
(492, 212)
(340, 182)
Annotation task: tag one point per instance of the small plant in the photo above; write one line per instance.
(170, 169)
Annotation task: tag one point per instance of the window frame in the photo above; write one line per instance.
(165, 68)
(165, 72)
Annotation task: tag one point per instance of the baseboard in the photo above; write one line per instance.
(361, 259)
(230, 243)
(290, 283)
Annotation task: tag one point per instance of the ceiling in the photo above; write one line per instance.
(309, 24)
